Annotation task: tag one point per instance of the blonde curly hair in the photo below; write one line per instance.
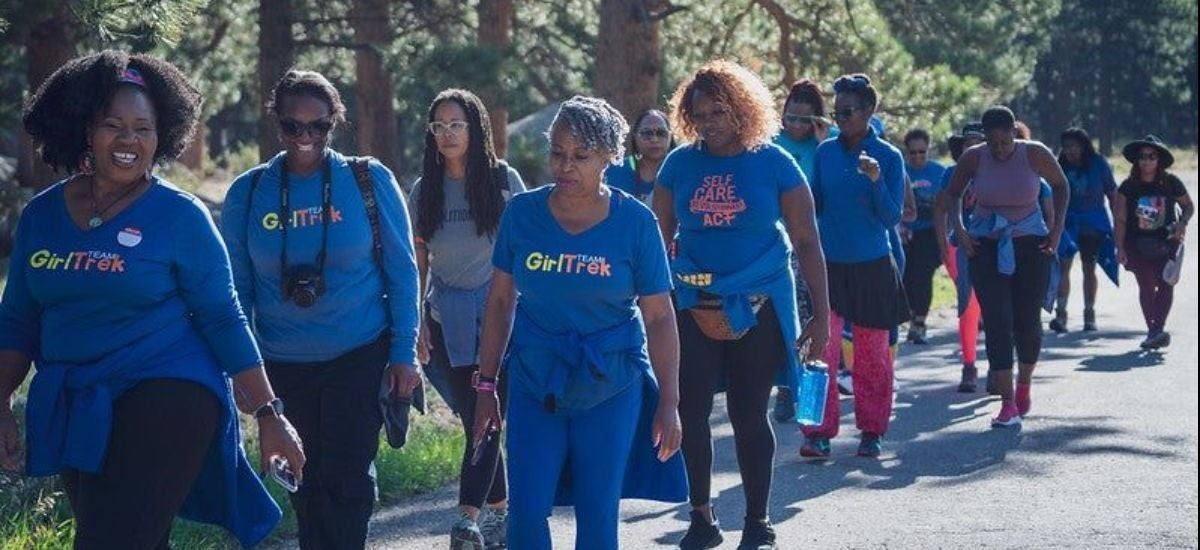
(737, 88)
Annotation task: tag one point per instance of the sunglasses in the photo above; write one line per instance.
(1148, 156)
(454, 127)
(844, 113)
(294, 128)
(797, 120)
(653, 133)
(918, 152)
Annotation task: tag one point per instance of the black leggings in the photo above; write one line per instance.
(923, 258)
(746, 368)
(1011, 303)
(484, 481)
(334, 405)
(162, 430)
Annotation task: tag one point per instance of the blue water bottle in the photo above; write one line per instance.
(814, 383)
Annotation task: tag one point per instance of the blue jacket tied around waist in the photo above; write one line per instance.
(645, 476)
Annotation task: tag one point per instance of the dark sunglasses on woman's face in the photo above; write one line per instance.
(653, 133)
(1148, 156)
(294, 128)
(844, 113)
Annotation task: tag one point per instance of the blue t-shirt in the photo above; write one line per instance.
(805, 150)
(586, 282)
(926, 184)
(728, 208)
(579, 284)
(76, 296)
(1089, 186)
(352, 312)
(854, 215)
(625, 177)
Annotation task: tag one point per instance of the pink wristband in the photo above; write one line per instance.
(485, 387)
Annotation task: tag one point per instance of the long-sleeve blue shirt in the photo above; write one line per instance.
(854, 215)
(352, 312)
(148, 294)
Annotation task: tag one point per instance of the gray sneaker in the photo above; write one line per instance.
(494, 524)
(465, 535)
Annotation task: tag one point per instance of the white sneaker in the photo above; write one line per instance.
(845, 382)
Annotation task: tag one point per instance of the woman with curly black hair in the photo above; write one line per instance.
(323, 259)
(122, 293)
(457, 205)
(720, 201)
(1089, 229)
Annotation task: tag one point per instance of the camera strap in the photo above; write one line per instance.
(361, 167)
(285, 218)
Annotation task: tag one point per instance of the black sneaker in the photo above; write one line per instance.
(1059, 323)
(1089, 320)
(701, 534)
(785, 405)
(969, 377)
(757, 535)
(917, 333)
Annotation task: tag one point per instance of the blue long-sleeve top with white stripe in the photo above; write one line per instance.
(352, 312)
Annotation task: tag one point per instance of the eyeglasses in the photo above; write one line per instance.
(1148, 156)
(918, 152)
(715, 115)
(294, 128)
(844, 113)
(653, 133)
(454, 127)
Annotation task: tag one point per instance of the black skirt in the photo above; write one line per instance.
(868, 294)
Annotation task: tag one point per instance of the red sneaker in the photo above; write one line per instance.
(1009, 416)
(1024, 402)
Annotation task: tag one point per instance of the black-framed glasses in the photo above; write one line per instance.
(455, 127)
(918, 152)
(653, 133)
(294, 128)
(844, 113)
(1148, 156)
(716, 115)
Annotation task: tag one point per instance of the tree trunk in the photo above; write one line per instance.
(193, 155)
(376, 119)
(49, 44)
(495, 24)
(628, 62)
(276, 53)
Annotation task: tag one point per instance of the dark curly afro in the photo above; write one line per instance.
(61, 112)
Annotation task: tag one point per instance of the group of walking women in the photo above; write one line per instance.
(593, 319)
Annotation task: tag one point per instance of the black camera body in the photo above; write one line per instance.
(303, 284)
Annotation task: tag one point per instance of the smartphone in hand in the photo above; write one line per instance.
(282, 473)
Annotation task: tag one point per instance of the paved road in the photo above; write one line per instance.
(1107, 459)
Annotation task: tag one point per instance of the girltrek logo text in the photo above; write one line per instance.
(576, 264)
(304, 217)
(92, 260)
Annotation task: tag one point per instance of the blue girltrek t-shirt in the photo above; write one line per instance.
(854, 215)
(926, 183)
(582, 285)
(728, 207)
(625, 177)
(805, 150)
(352, 312)
(1089, 186)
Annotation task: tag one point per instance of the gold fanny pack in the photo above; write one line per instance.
(713, 322)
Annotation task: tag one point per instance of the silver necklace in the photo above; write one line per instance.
(97, 218)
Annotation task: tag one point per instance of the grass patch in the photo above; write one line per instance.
(945, 295)
(35, 514)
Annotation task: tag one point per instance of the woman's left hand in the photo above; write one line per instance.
(1050, 247)
(1178, 232)
(668, 431)
(403, 379)
(277, 437)
(816, 334)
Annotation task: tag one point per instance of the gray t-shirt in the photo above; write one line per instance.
(457, 255)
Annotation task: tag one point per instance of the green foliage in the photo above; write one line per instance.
(143, 23)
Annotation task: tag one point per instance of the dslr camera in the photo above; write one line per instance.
(303, 284)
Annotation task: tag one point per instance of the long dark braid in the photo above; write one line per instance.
(485, 198)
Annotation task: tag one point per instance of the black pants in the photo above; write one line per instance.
(746, 368)
(923, 259)
(162, 430)
(483, 482)
(1012, 304)
(334, 405)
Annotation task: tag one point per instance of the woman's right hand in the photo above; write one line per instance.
(11, 452)
(1122, 257)
(487, 416)
(965, 242)
(277, 437)
(423, 345)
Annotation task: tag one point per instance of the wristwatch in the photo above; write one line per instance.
(273, 407)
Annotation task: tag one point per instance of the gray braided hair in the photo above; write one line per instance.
(595, 123)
